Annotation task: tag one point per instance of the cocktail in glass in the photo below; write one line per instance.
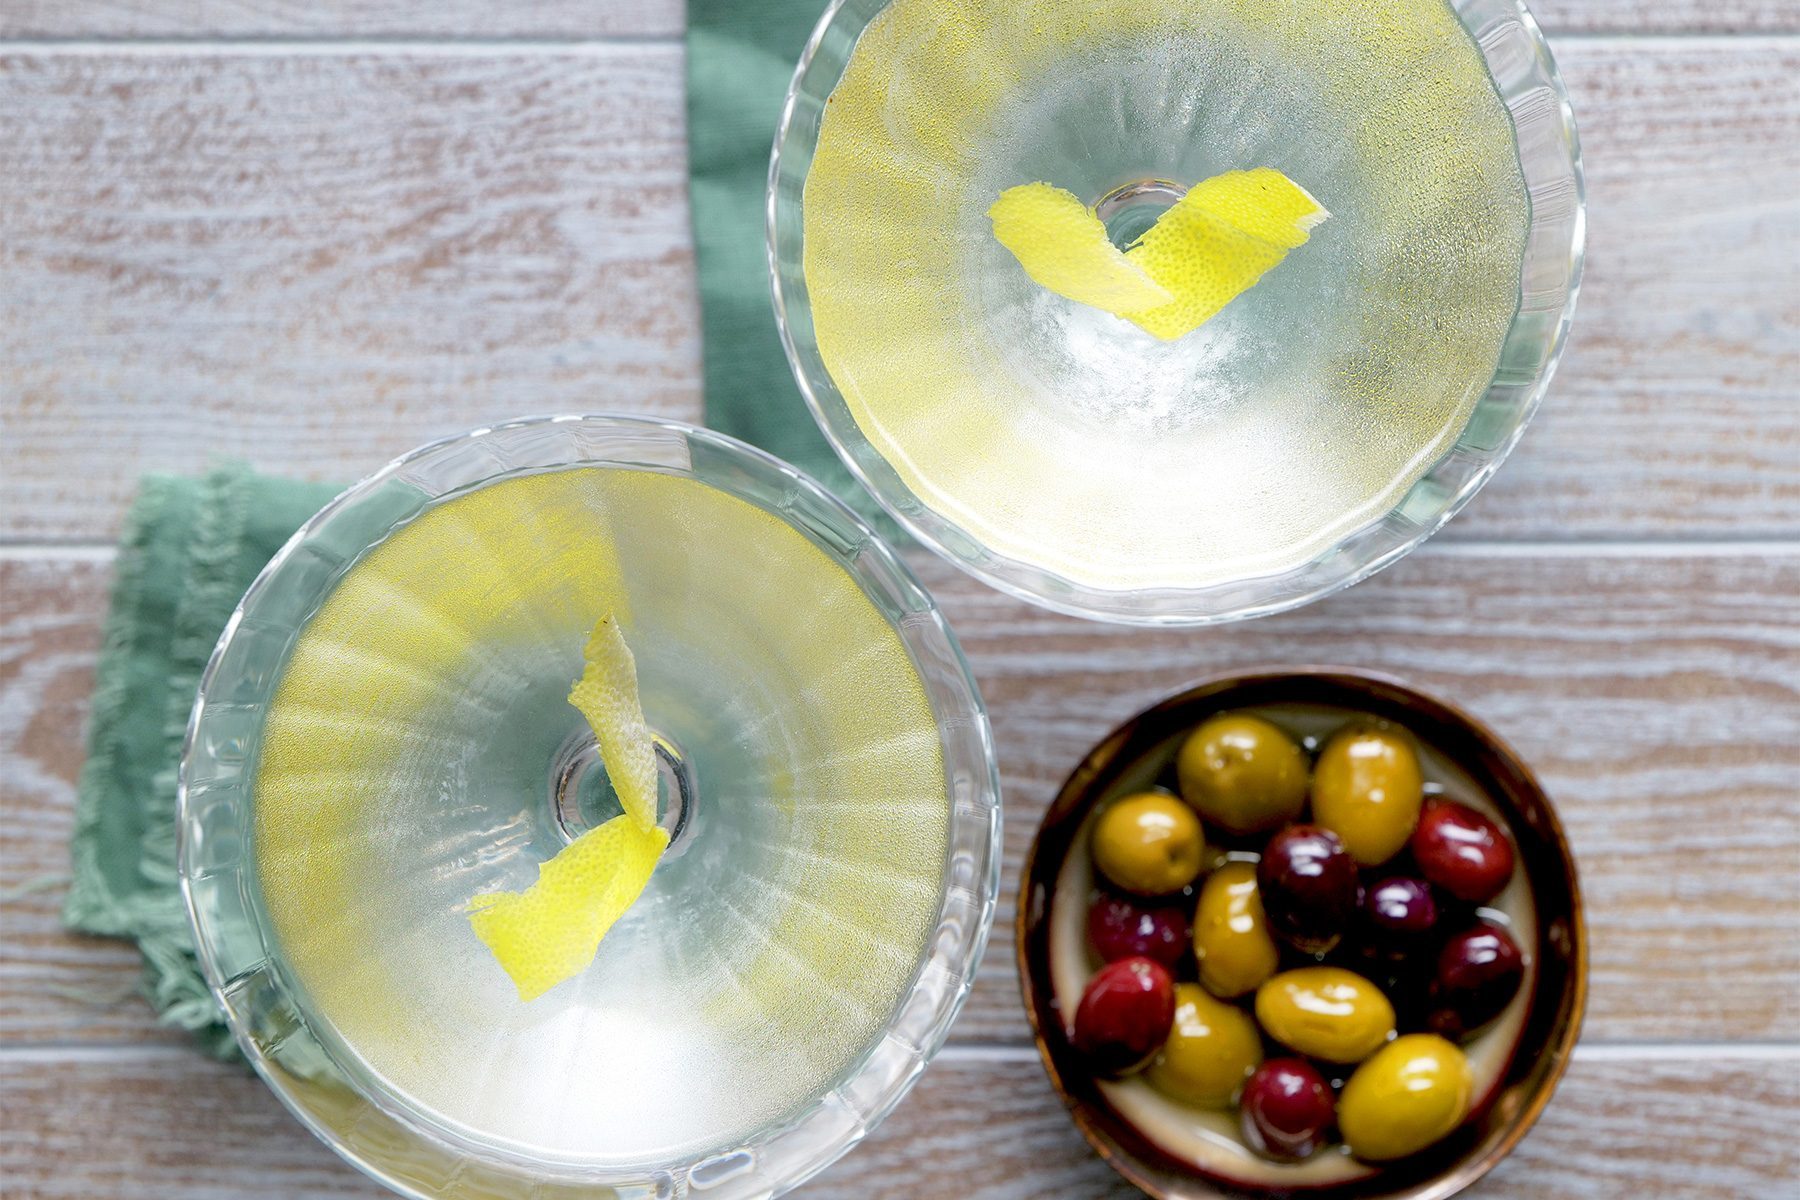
(384, 734)
(1322, 424)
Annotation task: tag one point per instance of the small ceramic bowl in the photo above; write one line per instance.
(1525, 1065)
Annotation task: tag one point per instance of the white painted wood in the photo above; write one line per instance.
(590, 18)
(374, 18)
(319, 261)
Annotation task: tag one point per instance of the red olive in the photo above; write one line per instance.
(1286, 1109)
(1120, 928)
(1478, 973)
(1398, 913)
(1462, 851)
(1308, 886)
(1125, 1015)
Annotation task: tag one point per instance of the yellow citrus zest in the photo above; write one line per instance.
(1210, 247)
(552, 930)
(1063, 246)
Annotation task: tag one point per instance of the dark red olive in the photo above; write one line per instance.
(1125, 1015)
(1286, 1109)
(1462, 851)
(1478, 973)
(1120, 928)
(1399, 913)
(1308, 886)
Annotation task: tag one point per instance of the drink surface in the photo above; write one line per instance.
(1063, 437)
(406, 766)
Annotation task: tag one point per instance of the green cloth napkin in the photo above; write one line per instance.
(741, 56)
(190, 549)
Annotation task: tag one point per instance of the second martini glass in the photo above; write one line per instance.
(1323, 424)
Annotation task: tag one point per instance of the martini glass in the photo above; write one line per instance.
(1323, 424)
(383, 734)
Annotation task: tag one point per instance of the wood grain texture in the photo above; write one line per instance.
(1659, 697)
(317, 260)
(470, 19)
(156, 1124)
(596, 18)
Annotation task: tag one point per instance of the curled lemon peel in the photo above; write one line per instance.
(1209, 248)
(552, 930)
(1063, 246)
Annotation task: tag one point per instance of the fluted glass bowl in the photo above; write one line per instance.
(383, 734)
(1323, 424)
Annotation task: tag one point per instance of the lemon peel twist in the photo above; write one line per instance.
(1210, 247)
(552, 930)
(1063, 246)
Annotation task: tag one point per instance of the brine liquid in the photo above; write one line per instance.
(406, 767)
(1067, 438)
(1211, 1138)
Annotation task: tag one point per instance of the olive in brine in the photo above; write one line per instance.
(1478, 973)
(1231, 933)
(1367, 788)
(1325, 1013)
(1148, 843)
(1242, 774)
(1308, 886)
(1398, 915)
(1124, 1015)
(1462, 850)
(1286, 1110)
(1407, 1096)
(1212, 1049)
(1123, 928)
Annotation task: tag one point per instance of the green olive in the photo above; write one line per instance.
(1231, 935)
(1409, 1094)
(1325, 1012)
(1149, 843)
(1242, 773)
(1212, 1049)
(1367, 789)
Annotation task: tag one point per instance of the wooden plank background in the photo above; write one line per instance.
(316, 234)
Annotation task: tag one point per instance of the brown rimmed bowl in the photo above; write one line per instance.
(1558, 989)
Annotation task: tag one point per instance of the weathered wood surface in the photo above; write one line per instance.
(318, 259)
(455, 19)
(315, 262)
(1659, 697)
(586, 19)
(159, 1122)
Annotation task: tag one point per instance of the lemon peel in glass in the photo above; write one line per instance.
(1063, 246)
(551, 931)
(1206, 250)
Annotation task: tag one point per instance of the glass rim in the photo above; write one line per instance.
(1170, 606)
(954, 691)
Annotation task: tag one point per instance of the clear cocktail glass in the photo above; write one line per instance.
(383, 734)
(1327, 421)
